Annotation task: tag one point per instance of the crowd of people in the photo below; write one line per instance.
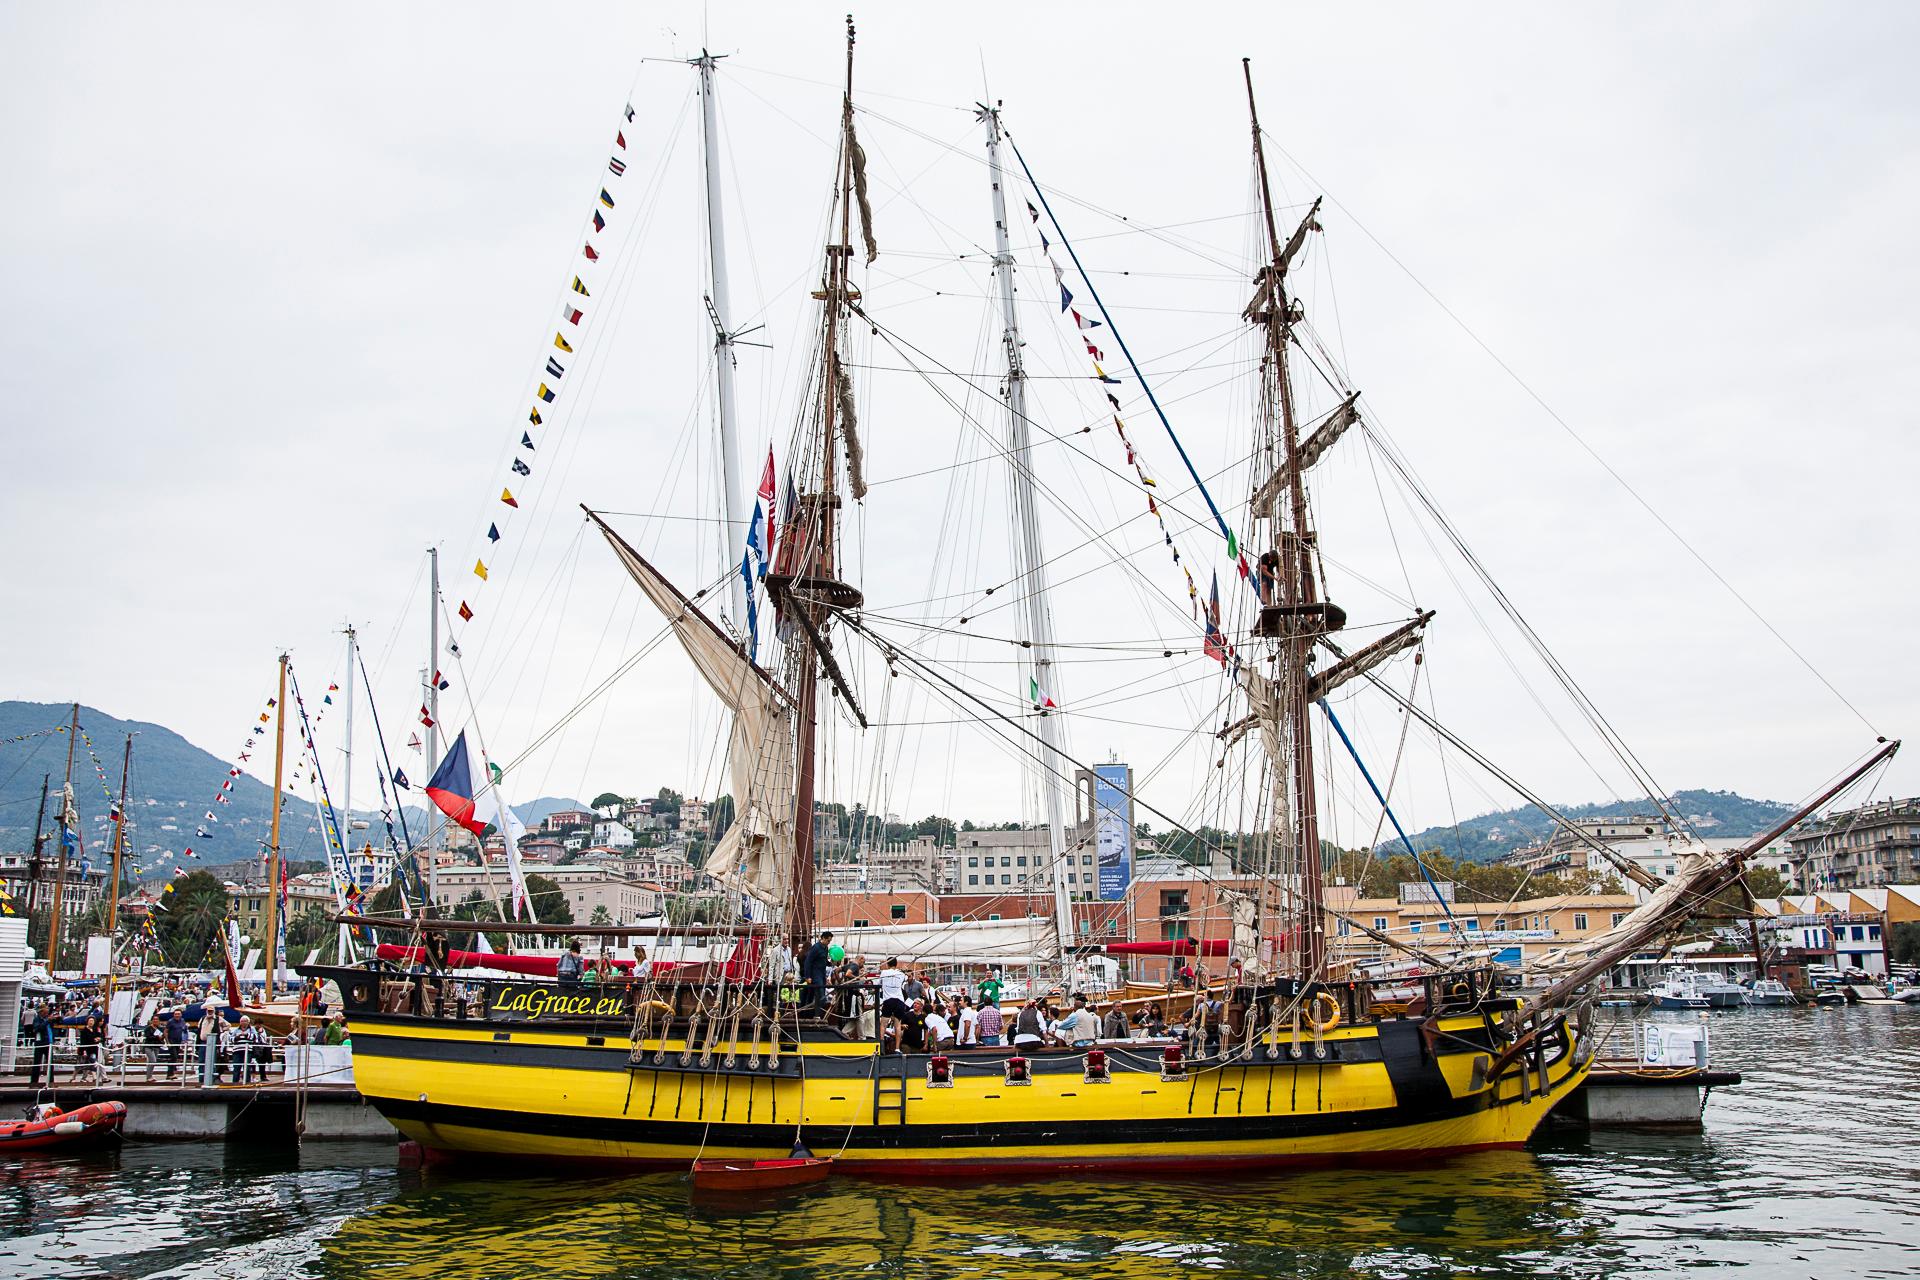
(915, 1016)
(174, 1034)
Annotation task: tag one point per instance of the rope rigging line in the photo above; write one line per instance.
(1590, 451)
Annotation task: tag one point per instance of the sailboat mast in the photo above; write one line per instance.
(1297, 588)
(273, 832)
(346, 843)
(60, 865)
(719, 310)
(432, 705)
(119, 844)
(1029, 566)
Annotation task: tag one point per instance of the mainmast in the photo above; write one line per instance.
(346, 841)
(719, 311)
(804, 580)
(1029, 567)
(119, 847)
(1292, 614)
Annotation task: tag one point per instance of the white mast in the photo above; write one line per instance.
(1029, 568)
(433, 703)
(346, 797)
(718, 309)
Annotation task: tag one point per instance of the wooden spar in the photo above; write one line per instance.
(1297, 583)
(1559, 992)
(60, 865)
(113, 880)
(273, 835)
(401, 924)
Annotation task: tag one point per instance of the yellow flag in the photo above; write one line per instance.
(580, 289)
(560, 341)
(480, 570)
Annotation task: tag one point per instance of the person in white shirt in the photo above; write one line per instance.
(1078, 1028)
(967, 1034)
(939, 1032)
(893, 1003)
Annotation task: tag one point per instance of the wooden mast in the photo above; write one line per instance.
(1297, 589)
(60, 866)
(815, 569)
(113, 878)
(273, 834)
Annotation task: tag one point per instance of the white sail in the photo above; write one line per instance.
(756, 855)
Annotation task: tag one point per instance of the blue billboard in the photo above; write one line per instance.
(1113, 828)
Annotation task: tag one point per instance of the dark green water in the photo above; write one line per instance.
(1806, 1170)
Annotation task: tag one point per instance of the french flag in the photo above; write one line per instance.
(451, 787)
(753, 564)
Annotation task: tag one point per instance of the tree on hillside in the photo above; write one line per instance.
(606, 798)
(668, 801)
(195, 909)
(1765, 882)
(720, 816)
(549, 901)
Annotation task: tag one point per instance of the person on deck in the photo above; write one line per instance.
(916, 988)
(571, 965)
(913, 1028)
(336, 1032)
(966, 1031)
(990, 989)
(813, 972)
(939, 1032)
(1114, 1025)
(1079, 1028)
(893, 1002)
(993, 1023)
(1030, 1028)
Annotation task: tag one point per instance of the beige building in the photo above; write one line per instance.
(1517, 932)
(583, 887)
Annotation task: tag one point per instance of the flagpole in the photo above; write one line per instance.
(1029, 567)
(273, 833)
(718, 310)
(60, 867)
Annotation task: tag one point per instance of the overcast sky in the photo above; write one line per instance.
(279, 283)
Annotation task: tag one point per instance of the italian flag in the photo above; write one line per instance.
(1037, 698)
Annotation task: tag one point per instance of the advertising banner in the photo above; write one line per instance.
(1113, 829)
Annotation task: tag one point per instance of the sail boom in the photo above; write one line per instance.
(1363, 660)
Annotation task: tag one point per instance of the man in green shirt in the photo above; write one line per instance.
(336, 1032)
(990, 988)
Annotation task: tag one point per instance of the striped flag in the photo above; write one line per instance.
(616, 166)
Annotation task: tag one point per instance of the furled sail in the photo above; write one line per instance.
(1028, 940)
(756, 855)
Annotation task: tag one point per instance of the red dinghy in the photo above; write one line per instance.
(759, 1175)
(51, 1127)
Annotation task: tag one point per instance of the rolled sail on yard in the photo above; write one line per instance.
(1174, 947)
(997, 942)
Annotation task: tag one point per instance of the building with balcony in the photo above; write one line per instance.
(1874, 845)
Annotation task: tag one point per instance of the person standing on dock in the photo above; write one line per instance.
(42, 1037)
(176, 1049)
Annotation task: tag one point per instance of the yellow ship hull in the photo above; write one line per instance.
(1387, 1091)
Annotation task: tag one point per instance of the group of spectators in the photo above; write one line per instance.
(175, 1034)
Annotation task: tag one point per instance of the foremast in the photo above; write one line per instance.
(1030, 570)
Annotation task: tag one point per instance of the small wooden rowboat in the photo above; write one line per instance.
(51, 1127)
(759, 1175)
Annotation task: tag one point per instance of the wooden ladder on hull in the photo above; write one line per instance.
(890, 1090)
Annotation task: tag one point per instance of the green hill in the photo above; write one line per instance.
(1484, 838)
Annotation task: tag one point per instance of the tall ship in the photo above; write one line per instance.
(1296, 1053)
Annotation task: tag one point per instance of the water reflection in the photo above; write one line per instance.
(1490, 1213)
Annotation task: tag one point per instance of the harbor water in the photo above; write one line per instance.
(1805, 1170)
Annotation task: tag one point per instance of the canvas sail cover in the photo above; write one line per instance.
(1698, 871)
(1029, 940)
(756, 855)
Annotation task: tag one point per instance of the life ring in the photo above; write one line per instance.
(1331, 1018)
(1460, 990)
